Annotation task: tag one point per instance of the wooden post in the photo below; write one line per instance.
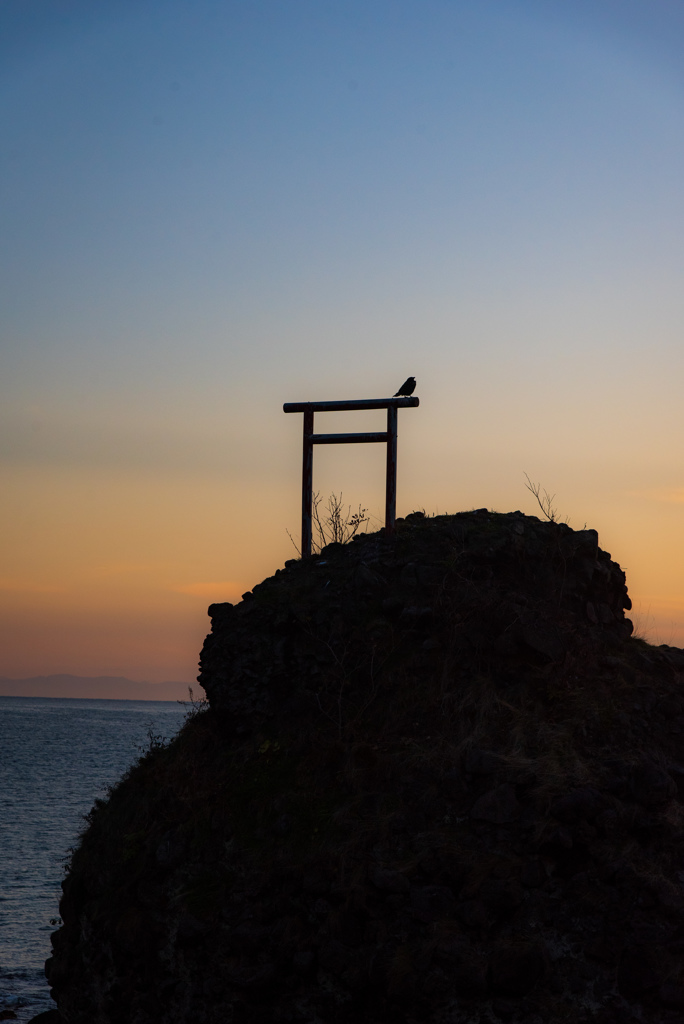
(391, 482)
(307, 481)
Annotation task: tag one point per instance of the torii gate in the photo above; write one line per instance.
(389, 436)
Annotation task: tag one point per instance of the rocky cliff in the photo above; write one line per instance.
(438, 781)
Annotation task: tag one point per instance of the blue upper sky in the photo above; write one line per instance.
(175, 172)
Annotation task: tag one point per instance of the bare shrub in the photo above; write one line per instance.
(194, 705)
(544, 500)
(332, 524)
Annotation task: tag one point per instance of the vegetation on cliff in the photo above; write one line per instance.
(438, 781)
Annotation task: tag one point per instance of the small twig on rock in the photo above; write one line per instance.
(544, 500)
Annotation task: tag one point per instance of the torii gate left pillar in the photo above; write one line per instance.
(310, 439)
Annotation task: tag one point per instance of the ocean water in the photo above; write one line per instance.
(56, 757)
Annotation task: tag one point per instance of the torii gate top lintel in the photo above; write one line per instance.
(310, 439)
(360, 403)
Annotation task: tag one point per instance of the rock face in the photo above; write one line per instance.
(500, 592)
(438, 782)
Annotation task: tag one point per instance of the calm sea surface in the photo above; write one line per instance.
(56, 756)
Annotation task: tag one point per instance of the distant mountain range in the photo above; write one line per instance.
(102, 687)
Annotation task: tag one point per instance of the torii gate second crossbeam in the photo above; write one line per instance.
(310, 439)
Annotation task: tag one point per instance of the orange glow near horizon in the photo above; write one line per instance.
(113, 576)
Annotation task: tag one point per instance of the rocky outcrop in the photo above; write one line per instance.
(499, 592)
(438, 782)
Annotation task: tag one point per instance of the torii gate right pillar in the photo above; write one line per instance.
(391, 477)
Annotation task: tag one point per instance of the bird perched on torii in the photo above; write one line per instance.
(407, 388)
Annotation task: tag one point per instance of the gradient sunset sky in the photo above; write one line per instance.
(209, 208)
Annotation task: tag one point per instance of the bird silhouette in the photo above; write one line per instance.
(407, 388)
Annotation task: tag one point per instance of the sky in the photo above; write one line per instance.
(211, 208)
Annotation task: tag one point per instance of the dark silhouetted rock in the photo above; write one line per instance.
(464, 965)
(671, 995)
(514, 970)
(582, 804)
(533, 874)
(651, 786)
(432, 902)
(499, 806)
(473, 914)
(389, 881)
(425, 757)
(638, 971)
